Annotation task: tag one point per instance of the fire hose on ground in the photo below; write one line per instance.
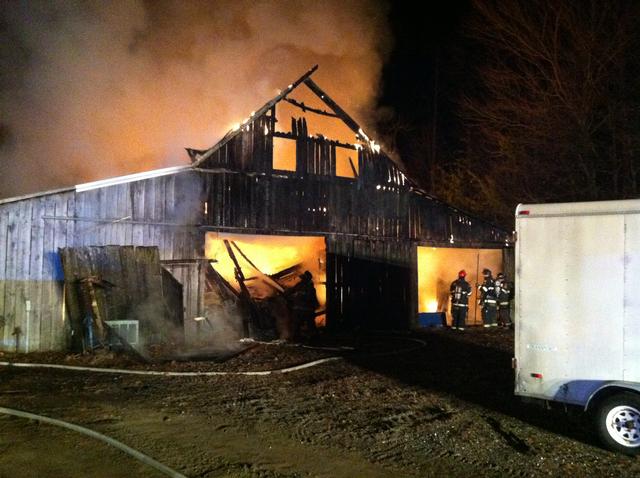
(128, 450)
(123, 371)
(98, 436)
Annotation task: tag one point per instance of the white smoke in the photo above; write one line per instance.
(91, 89)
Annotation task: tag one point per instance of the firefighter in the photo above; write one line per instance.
(303, 302)
(503, 293)
(488, 299)
(460, 292)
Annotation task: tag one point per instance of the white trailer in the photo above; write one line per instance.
(577, 311)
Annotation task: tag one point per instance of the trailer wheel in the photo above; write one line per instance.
(618, 423)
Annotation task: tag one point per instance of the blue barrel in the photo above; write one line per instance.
(431, 319)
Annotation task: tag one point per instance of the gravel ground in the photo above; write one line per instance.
(442, 407)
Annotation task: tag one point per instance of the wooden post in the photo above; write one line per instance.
(245, 296)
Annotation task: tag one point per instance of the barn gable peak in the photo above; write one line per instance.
(249, 146)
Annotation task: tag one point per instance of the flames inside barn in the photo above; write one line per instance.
(204, 253)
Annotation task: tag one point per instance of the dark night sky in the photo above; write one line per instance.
(519, 105)
(418, 41)
(429, 50)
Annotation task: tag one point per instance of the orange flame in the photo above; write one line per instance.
(270, 254)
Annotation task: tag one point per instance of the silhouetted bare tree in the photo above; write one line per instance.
(556, 112)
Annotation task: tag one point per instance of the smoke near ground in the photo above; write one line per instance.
(95, 89)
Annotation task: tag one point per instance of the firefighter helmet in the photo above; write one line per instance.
(462, 273)
(500, 275)
(306, 275)
(486, 272)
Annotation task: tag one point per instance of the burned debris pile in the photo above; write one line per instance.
(270, 306)
(120, 297)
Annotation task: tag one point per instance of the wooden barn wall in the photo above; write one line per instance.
(31, 307)
(379, 203)
(190, 274)
(324, 204)
(162, 211)
(250, 150)
(375, 219)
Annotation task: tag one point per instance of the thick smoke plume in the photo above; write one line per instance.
(94, 89)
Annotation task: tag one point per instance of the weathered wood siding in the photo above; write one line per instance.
(370, 283)
(161, 212)
(244, 192)
(371, 227)
(372, 224)
(272, 204)
(31, 313)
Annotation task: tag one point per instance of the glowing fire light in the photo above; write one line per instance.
(363, 135)
(438, 268)
(270, 254)
(432, 305)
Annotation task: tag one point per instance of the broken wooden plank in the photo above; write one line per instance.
(306, 108)
(226, 290)
(353, 168)
(245, 296)
(268, 280)
(294, 136)
(285, 272)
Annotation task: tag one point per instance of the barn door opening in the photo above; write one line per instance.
(438, 267)
(249, 284)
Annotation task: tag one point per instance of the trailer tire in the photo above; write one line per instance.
(618, 423)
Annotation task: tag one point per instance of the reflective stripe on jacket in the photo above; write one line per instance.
(460, 291)
(487, 291)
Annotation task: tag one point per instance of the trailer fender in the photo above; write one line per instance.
(610, 388)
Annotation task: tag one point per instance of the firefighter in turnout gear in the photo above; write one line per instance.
(503, 293)
(460, 292)
(303, 302)
(488, 299)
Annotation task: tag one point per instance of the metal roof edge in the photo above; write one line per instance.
(154, 173)
(35, 195)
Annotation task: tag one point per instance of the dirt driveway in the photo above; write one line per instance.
(442, 409)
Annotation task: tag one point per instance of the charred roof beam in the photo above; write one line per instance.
(340, 113)
(294, 136)
(306, 108)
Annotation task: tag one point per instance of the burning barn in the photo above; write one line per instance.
(208, 250)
